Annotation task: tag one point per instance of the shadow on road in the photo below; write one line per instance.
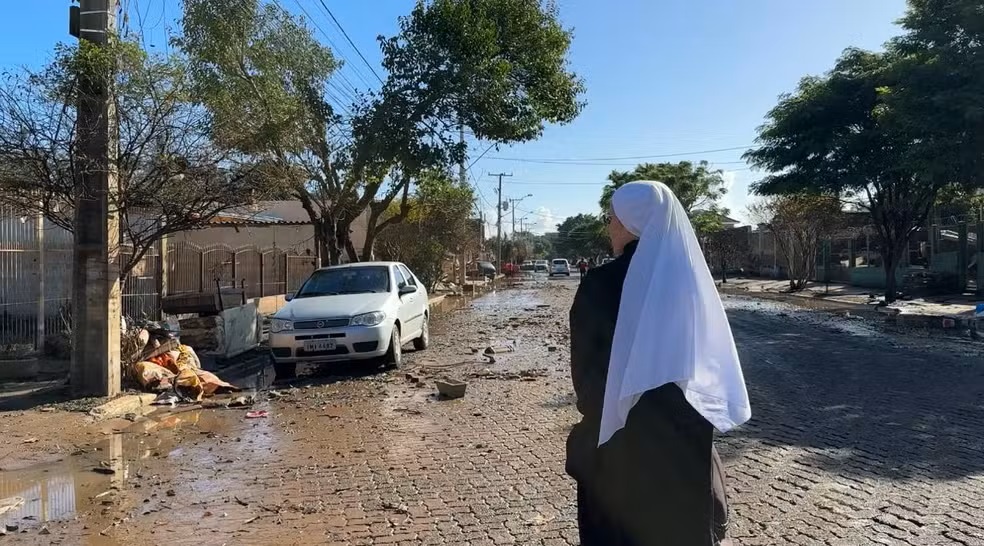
(857, 405)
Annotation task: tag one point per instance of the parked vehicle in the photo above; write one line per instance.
(541, 266)
(486, 269)
(528, 265)
(560, 266)
(360, 311)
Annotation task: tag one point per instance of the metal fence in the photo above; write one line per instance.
(36, 277)
(259, 272)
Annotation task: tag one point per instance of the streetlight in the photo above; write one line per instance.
(512, 205)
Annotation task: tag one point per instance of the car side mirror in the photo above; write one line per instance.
(407, 289)
(288, 296)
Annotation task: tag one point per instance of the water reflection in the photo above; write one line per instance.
(57, 491)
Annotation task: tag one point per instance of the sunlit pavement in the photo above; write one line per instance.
(858, 438)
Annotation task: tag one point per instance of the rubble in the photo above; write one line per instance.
(451, 389)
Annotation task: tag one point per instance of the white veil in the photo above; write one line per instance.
(671, 326)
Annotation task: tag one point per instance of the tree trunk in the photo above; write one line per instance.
(724, 271)
(352, 254)
(891, 265)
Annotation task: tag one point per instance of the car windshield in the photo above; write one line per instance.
(348, 280)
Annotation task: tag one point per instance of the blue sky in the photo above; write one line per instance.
(663, 77)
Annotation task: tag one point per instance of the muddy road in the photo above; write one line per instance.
(858, 437)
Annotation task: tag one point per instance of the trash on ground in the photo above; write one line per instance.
(169, 398)
(10, 504)
(30, 441)
(257, 414)
(450, 388)
(399, 508)
(241, 402)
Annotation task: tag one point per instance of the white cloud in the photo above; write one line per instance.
(540, 221)
(736, 200)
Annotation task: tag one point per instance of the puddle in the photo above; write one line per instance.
(62, 490)
(511, 299)
(96, 476)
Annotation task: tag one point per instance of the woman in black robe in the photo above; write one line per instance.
(658, 480)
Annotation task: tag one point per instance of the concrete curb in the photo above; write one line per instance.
(122, 405)
(436, 300)
(941, 322)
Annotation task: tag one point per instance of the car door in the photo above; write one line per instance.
(420, 302)
(417, 301)
(406, 312)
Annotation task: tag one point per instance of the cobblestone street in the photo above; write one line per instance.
(858, 437)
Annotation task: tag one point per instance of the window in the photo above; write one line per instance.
(409, 276)
(348, 280)
(401, 281)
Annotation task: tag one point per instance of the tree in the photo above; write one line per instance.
(798, 223)
(495, 67)
(581, 236)
(697, 186)
(438, 223)
(726, 248)
(836, 136)
(171, 176)
(938, 101)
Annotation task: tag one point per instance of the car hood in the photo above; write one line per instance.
(344, 305)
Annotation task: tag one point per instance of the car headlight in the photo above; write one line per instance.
(368, 319)
(280, 325)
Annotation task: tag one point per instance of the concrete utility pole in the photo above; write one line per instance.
(498, 222)
(463, 179)
(95, 367)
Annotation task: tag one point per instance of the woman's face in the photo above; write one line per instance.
(618, 234)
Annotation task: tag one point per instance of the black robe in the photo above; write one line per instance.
(658, 481)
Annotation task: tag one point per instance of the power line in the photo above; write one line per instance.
(356, 48)
(656, 156)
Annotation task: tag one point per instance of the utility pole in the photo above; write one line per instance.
(512, 205)
(95, 369)
(463, 179)
(498, 222)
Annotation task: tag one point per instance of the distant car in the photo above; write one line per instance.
(607, 261)
(560, 266)
(541, 266)
(360, 311)
(527, 266)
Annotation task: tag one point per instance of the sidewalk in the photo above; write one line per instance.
(944, 312)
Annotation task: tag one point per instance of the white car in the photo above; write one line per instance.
(541, 266)
(360, 311)
(560, 266)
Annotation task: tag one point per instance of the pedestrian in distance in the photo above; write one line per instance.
(655, 371)
(582, 267)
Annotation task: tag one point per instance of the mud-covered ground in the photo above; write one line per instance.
(858, 437)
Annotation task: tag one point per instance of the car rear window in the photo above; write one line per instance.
(560, 262)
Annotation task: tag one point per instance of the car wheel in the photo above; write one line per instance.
(394, 356)
(423, 341)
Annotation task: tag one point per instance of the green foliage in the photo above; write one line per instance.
(260, 72)
(438, 223)
(581, 236)
(697, 186)
(498, 67)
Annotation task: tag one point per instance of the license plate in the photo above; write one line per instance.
(319, 345)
